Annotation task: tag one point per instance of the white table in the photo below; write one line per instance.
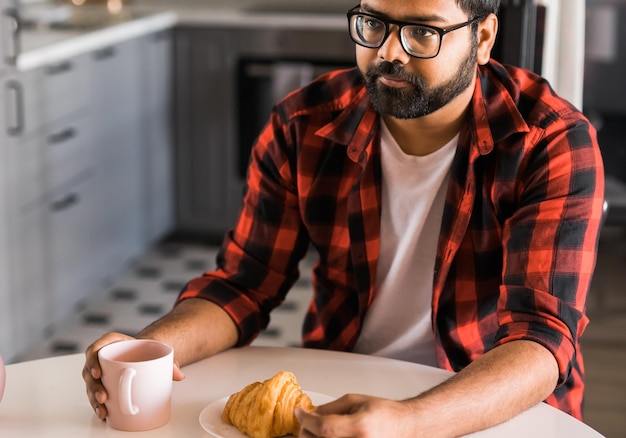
(46, 398)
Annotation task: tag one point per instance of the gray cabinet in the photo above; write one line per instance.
(115, 96)
(73, 242)
(25, 239)
(157, 144)
(6, 318)
(31, 292)
(85, 179)
(9, 40)
(208, 191)
(46, 155)
(130, 104)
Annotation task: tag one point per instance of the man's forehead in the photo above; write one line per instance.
(433, 11)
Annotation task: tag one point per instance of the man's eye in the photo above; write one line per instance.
(373, 24)
(420, 32)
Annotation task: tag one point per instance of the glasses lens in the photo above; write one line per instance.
(420, 41)
(367, 31)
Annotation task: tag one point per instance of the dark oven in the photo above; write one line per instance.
(261, 83)
(267, 74)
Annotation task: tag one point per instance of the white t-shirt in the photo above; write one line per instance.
(398, 323)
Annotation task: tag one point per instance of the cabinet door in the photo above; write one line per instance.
(209, 192)
(44, 106)
(6, 329)
(156, 71)
(63, 88)
(115, 108)
(22, 119)
(8, 35)
(71, 213)
(66, 150)
(30, 287)
(23, 222)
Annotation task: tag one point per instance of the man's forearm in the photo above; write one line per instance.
(196, 328)
(494, 388)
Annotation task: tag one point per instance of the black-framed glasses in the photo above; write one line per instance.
(418, 40)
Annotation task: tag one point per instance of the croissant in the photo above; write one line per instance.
(266, 409)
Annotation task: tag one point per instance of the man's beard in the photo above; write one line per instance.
(418, 99)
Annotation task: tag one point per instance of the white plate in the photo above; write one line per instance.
(211, 416)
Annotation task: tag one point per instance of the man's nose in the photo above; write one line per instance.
(392, 49)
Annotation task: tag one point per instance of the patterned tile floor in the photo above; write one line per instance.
(148, 289)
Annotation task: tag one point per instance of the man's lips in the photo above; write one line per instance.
(393, 81)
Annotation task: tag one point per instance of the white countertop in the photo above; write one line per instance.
(46, 398)
(41, 46)
(45, 46)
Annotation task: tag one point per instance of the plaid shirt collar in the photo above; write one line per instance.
(487, 124)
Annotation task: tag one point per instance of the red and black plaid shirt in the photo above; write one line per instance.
(518, 238)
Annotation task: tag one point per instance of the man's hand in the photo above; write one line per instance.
(196, 328)
(92, 373)
(494, 388)
(357, 416)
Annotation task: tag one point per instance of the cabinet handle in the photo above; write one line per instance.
(65, 202)
(103, 54)
(12, 40)
(15, 94)
(60, 68)
(60, 137)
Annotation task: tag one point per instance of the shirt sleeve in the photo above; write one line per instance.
(258, 260)
(550, 242)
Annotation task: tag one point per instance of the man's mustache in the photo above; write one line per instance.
(390, 68)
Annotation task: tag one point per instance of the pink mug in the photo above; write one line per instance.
(2, 377)
(137, 375)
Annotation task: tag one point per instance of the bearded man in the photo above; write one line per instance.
(455, 205)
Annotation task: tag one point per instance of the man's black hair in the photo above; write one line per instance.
(479, 8)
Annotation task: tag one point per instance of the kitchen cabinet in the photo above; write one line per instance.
(8, 50)
(25, 266)
(6, 328)
(157, 144)
(86, 179)
(9, 29)
(73, 239)
(115, 97)
(130, 104)
(130, 96)
(208, 191)
(48, 128)
(47, 153)
(30, 290)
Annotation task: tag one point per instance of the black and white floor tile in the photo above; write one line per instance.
(148, 289)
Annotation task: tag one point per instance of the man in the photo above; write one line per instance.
(455, 205)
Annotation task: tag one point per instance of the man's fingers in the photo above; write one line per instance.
(96, 394)
(342, 406)
(328, 425)
(91, 354)
(309, 421)
(178, 374)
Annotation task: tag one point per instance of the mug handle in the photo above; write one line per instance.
(126, 404)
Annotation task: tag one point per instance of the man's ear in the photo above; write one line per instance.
(487, 31)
